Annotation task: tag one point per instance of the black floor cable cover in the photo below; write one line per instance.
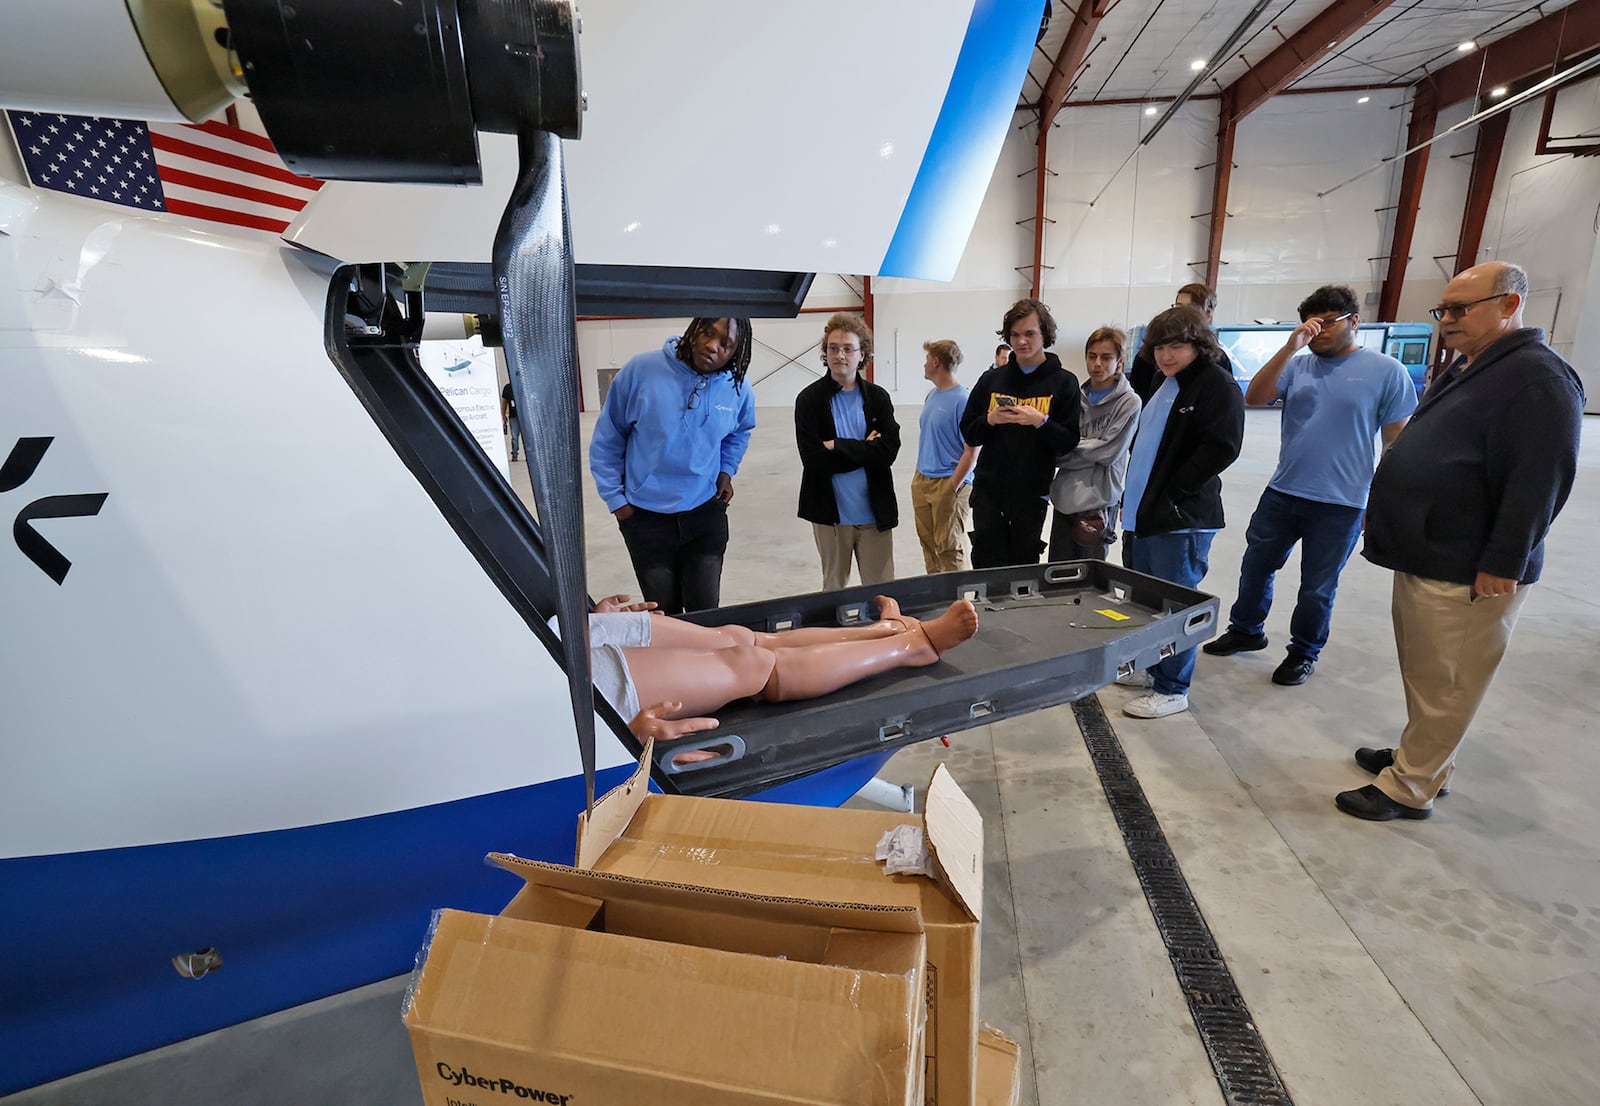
(1239, 1057)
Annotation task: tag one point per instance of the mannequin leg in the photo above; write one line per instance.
(704, 680)
(808, 671)
(673, 633)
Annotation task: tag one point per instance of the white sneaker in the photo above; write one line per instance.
(1155, 705)
(1137, 678)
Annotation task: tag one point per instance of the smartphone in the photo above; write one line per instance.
(1005, 401)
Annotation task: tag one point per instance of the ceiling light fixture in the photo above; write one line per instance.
(1363, 99)
(1499, 92)
(1151, 110)
(1467, 47)
(1197, 64)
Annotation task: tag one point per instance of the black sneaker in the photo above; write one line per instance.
(1376, 760)
(1294, 671)
(1232, 641)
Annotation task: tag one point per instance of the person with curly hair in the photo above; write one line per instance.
(666, 447)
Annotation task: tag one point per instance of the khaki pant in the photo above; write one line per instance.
(873, 550)
(941, 522)
(1450, 645)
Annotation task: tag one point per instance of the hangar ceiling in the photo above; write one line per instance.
(1144, 49)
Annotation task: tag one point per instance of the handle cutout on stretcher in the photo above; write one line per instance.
(729, 747)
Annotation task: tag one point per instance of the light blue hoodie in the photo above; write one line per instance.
(666, 432)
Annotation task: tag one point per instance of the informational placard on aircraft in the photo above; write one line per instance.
(464, 372)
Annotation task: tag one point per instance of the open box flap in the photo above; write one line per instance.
(613, 812)
(954, 830)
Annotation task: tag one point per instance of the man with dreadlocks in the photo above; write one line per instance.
(675, 425)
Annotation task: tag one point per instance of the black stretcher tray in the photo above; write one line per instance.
(1047, 634)
(1044, 637)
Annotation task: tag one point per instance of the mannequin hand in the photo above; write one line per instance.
(623, 602)
(649, 723)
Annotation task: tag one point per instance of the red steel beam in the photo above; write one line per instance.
(1040, 172)
(1536, 48)
(1485, 164)
(1424, 114)
(1300, 51)
(1221, 175)
(866, 316)
(1074, 48)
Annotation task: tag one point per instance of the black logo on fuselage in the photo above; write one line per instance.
(19, 466)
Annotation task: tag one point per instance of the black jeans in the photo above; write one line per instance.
(678, 557)
(1006, 529)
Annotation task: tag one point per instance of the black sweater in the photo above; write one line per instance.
(1020, 461)
(813, 425)
(1201, 439)
(1482, 469)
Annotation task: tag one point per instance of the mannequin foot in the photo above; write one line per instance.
(889, 615)
(955, 625)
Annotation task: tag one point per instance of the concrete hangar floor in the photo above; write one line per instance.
(1453, 962)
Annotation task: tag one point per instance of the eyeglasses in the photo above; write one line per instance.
(842, 349)
(694, 396)
(1459, 310)
(1335, 321)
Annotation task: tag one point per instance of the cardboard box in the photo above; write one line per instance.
(600, 990)
(999, 1069)
(826, 855)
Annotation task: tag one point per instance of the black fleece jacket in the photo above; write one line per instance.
(1203, 435)
(1482, 469)
(813, 425)
(1020, 461)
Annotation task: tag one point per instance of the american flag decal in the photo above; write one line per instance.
(212, 172)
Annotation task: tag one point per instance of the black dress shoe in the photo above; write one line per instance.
(1232, 641)
(1373, 805)
(1376, 760)
(1294, 671)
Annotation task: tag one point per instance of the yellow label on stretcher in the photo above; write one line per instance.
(1115, 616)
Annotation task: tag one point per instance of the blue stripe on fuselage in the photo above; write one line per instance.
(86, 975)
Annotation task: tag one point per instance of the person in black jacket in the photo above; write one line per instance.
(845, 427)
(1022, 415)
(1191, 429)
(1459, 509)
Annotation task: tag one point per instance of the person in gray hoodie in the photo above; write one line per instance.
(1088, 484)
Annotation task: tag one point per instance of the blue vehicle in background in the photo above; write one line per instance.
(1250, 347)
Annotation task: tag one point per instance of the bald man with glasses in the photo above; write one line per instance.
(1459, 510)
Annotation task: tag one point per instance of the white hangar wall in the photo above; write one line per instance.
(1119, 261)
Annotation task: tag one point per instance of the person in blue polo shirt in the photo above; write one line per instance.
(1337, 399)
(941, 488)
(668, 442)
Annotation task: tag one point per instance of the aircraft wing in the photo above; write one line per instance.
(761, 144)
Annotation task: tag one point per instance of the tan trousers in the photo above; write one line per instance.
(873, 550)
(941, 522)
(1450, 645)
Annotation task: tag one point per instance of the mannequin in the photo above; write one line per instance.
(684, 671)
